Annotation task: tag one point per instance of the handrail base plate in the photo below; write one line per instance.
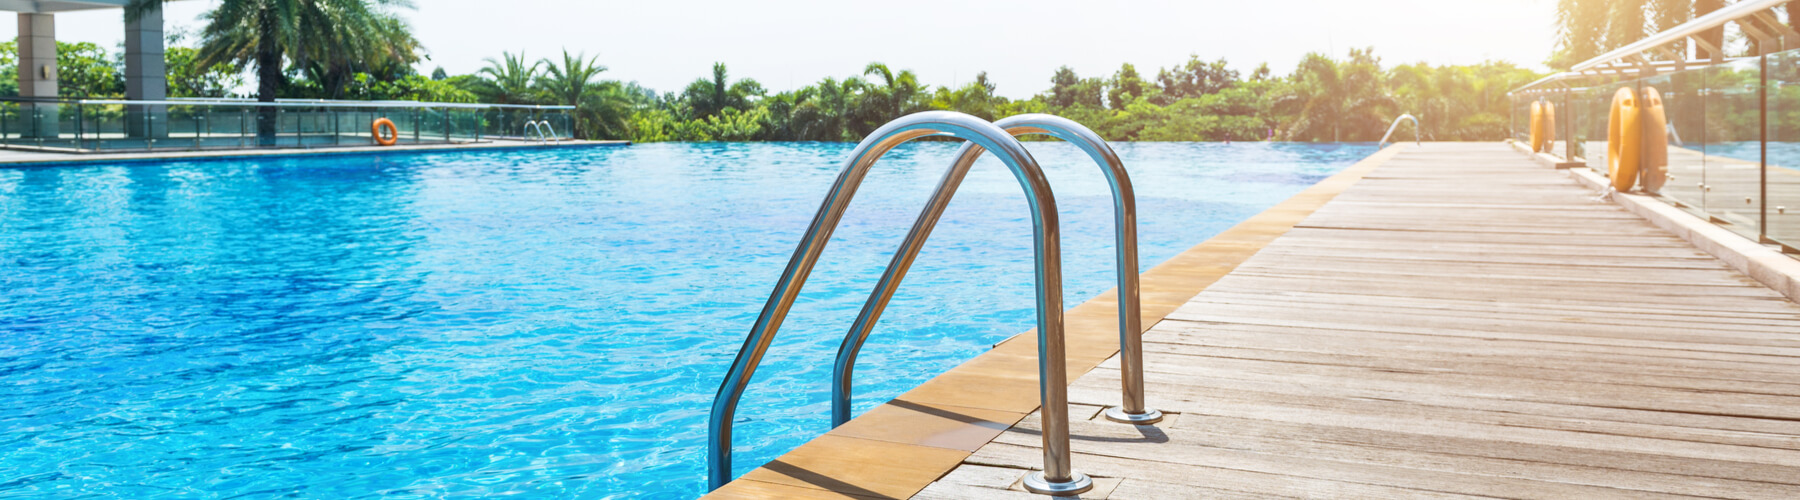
(1149, 416)
(1077, 484)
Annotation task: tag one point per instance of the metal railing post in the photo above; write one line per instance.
(1058, 477)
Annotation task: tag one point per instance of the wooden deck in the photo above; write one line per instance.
(1461, 322)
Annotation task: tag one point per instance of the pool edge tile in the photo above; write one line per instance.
(859, 467)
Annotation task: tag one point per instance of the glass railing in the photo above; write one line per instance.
(99, 125)
(1733, 134)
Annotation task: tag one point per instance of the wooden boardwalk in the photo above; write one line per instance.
(1461, 322)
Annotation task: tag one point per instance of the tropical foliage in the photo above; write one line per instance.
(361, 49)
(1588, 28)
(1323, 99)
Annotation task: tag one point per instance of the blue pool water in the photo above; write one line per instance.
(1781, 154)
(545, 323)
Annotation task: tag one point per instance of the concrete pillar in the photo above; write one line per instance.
(146, 75)
(37, 74)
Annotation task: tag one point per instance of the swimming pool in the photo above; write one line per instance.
(541, 322)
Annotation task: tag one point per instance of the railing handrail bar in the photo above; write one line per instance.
(1052, 368)
(384, 101)
(1396, 124)
(1132, 408)
(287, 103)
(1693, 27)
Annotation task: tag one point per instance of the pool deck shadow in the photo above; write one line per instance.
(899, 448)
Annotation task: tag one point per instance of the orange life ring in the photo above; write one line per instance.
(393, 136)
(1624, 139)
(1537, 126)
(1653, 168)
(1549, 139)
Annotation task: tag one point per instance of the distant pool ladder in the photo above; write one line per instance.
(1396, 124)
(545, 132)
(1058, 477)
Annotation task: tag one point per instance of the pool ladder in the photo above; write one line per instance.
(1057, 478)
(545, 132)
(1396, 124)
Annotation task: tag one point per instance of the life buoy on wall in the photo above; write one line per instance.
(1624, 139)
(1654, 171)
(391, 138)
(1537, 125)
(1549, 124)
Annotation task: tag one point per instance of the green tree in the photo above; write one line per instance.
(264, 33)
(568, 81)
(1194, 78)
(974, 98)
(1125, 86)
(1588, 28)
(1068, 89)
(898, 94)
(599, 106)
(825, 110)
(1336, 101)
(187, 78)
(84, 70)
(709, 97)
(511, 78)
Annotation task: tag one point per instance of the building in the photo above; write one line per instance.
(145, 73)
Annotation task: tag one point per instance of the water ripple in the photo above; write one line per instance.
(544, 323)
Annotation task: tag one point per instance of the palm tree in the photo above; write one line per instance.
(709, 97)
(824, 111)
(512, 77)
(975, 98)
(597, 104)
(568, 81)
(1335, 101)
(1587, 28)
(386, 50)
(265, 32)
(897, 95)
(604, 111)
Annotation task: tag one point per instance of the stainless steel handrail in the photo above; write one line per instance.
(1131, 356)
(552, 137)
(1396, 124)
(545, 131)
(1052, 368)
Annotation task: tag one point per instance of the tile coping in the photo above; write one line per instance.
(68, 159)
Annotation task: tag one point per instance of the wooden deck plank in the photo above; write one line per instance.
(1459, 323)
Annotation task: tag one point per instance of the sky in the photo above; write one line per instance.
(785, 44)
